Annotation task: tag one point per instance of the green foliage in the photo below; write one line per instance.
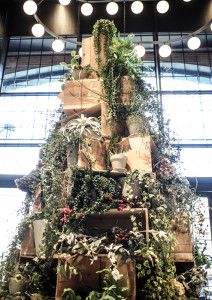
(75, 65)
(74, 62)
(112, 289)
(52, 173)
(30, 182)
(90, 192)
(103, 29)
(121, 61)
(39, 276)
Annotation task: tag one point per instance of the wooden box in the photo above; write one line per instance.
(79, 95)
(104, 222)
(183, 248)
(88, 279)
(138, 151)
(28, 243)
(89, 56)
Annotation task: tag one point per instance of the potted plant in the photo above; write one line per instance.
(76, 131)
(118, 162)
(76, 70)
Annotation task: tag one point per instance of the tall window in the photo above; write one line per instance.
(31, 82)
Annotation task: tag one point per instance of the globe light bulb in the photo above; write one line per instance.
(112, 8)
(186, 0)
(64, 2)
(194, 43)
(38, 30)
(137, 7)
(86, 9)
(80, 52)
(165, 50)
(140, 50)
(58, 46)
(162, 6)
(30, 7)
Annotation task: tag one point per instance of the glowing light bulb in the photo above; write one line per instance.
(64, 2)
(162, 6)
(165, 50)
(140, 50)
(137, 7)
(211, 26)
(58, 45)
(194, 43)
(30, 7)
(86, 9)
(38, 30)
(186, 0)
(112, 8)
(80, 52)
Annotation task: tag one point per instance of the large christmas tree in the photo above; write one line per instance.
(106, 215)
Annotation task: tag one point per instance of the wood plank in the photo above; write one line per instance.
(80, 94)
(87, 279)
(139, 157)
(28, 243)
(93, 111)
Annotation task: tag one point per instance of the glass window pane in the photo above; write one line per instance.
(11, 200)
(18, 160)
(196, 162)
(189, 115)
(26, 118)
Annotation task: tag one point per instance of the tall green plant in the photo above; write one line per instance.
(103, 29)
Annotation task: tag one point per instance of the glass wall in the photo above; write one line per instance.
(32, 80)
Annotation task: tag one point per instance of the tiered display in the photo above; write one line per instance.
(106, 215)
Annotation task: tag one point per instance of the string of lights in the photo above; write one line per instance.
(30, 7)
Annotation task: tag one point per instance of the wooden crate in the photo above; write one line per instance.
(88, 279)
(104, 222)
(139, 156)
(89, 56)
(79, 95)
(28, 243)
(183, 248)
